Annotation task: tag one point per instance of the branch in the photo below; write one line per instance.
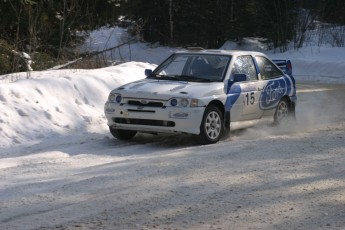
(88, 55)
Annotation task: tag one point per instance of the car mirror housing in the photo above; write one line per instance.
(148, 72)
(239, 77)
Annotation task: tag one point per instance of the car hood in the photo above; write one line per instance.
(166, 89)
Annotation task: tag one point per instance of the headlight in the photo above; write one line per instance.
(173, 102)
(179, 102)
(118, 98)
(183, 102)
(114, 98)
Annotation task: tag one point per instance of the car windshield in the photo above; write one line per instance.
(192, 67)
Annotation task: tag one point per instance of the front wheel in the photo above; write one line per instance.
(212, 126)
(122, 134)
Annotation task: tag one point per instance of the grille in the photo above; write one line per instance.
(144, 122)
(141, 111)
(149, 103)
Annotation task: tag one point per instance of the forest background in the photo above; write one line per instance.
(51, 31)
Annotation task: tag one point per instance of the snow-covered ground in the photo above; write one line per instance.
(61, 169)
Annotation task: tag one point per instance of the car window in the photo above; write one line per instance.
(245, 65)
(194, 67)
(208, 66)
(267, 69)
(174, 66)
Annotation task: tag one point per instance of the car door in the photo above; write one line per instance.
(250, 93)
(274, 85)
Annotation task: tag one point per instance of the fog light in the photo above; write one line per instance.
(110, 110)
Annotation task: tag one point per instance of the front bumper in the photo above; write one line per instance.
(154, 119)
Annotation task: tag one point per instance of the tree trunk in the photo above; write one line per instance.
(171, 23)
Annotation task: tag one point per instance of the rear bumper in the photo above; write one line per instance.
(293, 100)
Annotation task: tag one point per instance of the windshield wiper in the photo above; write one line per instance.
(179, 78)
(161, 77)
(192, 78)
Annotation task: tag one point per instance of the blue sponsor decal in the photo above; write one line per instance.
(273, 92)
(270, 96)
(233, 93)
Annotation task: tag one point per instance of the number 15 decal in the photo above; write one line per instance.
(250, 99)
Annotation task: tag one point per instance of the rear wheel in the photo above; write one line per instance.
(212, 126)
(122, 134)
(283, 112)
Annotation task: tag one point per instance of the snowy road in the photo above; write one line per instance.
(260, 178)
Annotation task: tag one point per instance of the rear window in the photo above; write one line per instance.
(267, 69)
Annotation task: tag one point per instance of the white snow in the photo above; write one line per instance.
(106, 38)
(317, 64)
(57, 102)
(60, 168)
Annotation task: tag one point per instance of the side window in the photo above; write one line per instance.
(245, 64)
(267, 69)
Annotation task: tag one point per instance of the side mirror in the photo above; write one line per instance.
(239, 77)
(148, 72)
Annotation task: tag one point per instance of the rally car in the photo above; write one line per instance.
(204, 92)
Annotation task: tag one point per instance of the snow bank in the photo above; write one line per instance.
(59, 102)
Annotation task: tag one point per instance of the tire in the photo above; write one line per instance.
(212, 126)
(122, 134)
(283, 112)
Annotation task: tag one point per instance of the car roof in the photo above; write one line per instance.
(197, 50)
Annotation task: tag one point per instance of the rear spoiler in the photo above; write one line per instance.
(284, 65)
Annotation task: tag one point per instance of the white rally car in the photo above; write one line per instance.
(203, 92)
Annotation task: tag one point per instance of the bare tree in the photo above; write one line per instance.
(305, 22)
(171, 22)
